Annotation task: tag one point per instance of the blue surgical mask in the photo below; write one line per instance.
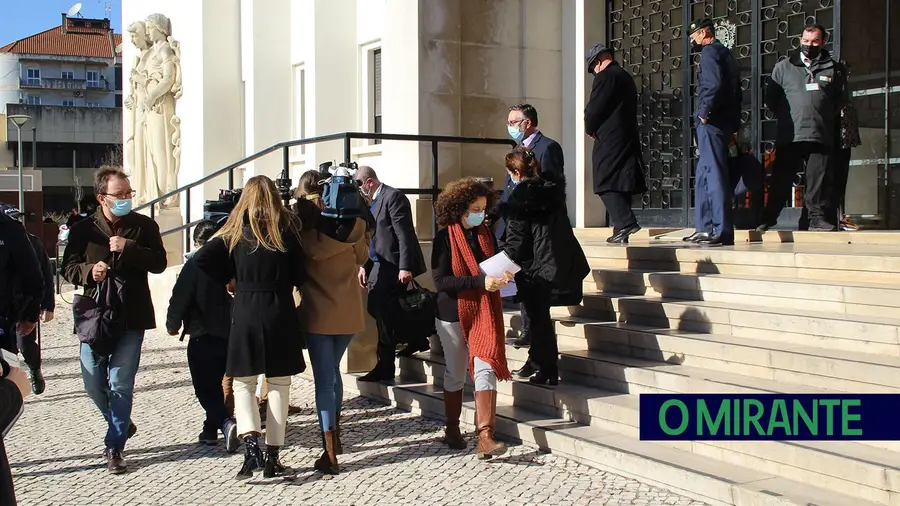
(515, 133)
(121, 207)
(475, 219)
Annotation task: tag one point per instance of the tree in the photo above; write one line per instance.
(77, 191)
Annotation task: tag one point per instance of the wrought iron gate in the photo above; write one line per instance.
(649, 39)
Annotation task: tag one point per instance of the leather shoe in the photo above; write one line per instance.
(696, 237)
(717, 240)
(37, 382)
(523, 341)
(115, 463)
(379, 374)
(526, 371)
(621, 237)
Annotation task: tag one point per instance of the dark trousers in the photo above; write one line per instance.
(30, 349)
(10, 408)
(544, 351)
(206, 359)
(383, 284)
(526, 321)
(817, 196)
(841, 175)
(618, 206)
(713, 192)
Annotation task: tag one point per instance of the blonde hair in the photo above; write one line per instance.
(267, 217)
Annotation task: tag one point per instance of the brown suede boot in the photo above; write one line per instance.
(338, 446)
(452, 409)
(328, 463)
(485, 414)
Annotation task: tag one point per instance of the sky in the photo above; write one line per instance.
(22, 18)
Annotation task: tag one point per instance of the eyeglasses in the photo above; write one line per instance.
(124, 196)
(516, 122)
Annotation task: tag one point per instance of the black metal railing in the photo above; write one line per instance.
(285, 147)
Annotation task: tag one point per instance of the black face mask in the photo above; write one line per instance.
(696, 47)
(811, 52)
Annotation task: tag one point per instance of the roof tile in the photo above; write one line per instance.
(76, 41)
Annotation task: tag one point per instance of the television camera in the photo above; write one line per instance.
(218, 210)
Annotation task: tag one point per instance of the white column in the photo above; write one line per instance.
(584, 24)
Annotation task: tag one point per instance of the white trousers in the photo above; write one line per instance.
(246, 409)
(456, 358)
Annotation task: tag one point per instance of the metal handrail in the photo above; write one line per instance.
(346, 137)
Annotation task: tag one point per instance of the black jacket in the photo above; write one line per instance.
(18, 267)
(807, 115)
(541, 240)
(719, 92)
(395, 242)
(265, 336)
(611, 118)
(48, 301)
(447, 284)
(199, 304)
(144, 253)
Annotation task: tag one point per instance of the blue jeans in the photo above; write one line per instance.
(109, 382)
(325, 353)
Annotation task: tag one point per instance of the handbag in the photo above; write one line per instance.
(850, 127)
(100, 320)
(413, 313)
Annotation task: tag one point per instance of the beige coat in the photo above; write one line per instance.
(332, 300)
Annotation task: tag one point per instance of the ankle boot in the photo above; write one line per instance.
(253, 459)
(274, 467)
(328, 463)
(452, 409)
(338, 446)
(485, 414)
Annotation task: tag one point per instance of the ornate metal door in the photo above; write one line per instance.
(649, 39)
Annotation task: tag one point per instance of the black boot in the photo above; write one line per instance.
(253, 459)
(37, 381)
(274, 466)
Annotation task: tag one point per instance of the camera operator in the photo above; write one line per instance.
(331, 306)
(18, 268)
(28, 344)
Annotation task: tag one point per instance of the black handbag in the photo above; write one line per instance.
(413, 313)
(100, 320)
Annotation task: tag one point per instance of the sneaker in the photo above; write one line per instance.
(847, 225)
(208, 437)
(229, 430)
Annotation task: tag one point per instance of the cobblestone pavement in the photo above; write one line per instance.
(391, 457)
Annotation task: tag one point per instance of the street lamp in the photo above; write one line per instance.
(19, 120)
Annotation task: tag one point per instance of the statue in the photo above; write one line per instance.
(154, 147)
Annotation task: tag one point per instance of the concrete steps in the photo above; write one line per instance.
(713, 481)
(870, 334)
(863, 470)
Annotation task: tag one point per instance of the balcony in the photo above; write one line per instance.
(56, 83)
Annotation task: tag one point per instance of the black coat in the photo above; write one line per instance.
(265, 333)
(18, 267)
(540, 239)
(144, 253)
(199, 304)
(610, 117)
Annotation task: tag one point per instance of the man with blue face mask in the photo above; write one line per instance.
(119, 244)
(522, 126)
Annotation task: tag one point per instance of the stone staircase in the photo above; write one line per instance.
(790, 312)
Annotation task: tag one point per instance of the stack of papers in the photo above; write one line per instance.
(496, 267)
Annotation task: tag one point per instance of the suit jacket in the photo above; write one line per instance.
(395, 242)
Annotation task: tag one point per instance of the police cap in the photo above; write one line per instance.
(701, 23)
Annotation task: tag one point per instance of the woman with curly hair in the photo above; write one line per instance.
(470, 315)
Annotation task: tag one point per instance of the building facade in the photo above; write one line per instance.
(259, 72)
(68, 79)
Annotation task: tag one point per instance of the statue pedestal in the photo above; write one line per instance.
(168, 219)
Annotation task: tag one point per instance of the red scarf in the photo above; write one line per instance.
(480, 311)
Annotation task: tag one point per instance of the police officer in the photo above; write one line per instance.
(29, 344)
(717, 118)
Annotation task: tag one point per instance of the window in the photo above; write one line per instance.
(118, 101)
(376, 92)
(68, 74)
(34, 100)
(93, 78)
(92, 104)
(118, 78)
(299, 113)
(34, 76)
(68, 102)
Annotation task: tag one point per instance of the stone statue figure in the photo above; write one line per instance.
(135, 118)
(155, 143)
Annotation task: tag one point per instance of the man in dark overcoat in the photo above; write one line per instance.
(610, 118)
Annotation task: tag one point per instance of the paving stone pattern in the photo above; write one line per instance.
(391, 457)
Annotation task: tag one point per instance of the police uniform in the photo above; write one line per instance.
(18, 267)
(717, 118)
